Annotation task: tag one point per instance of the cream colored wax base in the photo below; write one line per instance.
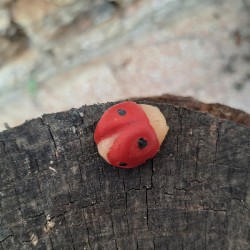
(157, 121)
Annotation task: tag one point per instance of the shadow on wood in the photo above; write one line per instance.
(57, 193)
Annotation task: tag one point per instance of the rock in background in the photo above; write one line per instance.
(58, 54)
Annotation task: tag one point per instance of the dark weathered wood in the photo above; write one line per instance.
(57, 193)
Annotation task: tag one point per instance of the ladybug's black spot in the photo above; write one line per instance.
(121, 112)
(123, 164)
(142, 143)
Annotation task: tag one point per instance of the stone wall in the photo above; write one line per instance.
(39, 39)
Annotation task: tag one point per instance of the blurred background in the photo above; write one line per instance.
(60, 54)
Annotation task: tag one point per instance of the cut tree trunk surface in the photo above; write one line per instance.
(56, 192)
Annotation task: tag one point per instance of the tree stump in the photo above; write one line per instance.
(56, 192)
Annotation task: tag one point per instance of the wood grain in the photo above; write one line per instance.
(56, 192)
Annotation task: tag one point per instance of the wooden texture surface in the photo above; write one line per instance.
(57, 193)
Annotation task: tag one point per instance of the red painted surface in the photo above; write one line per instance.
(129, 122)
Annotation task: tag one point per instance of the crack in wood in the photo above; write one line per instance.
(143, 205)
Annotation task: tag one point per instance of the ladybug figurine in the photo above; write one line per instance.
(128, 134)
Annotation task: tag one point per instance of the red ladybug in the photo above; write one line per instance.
(128, 134)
